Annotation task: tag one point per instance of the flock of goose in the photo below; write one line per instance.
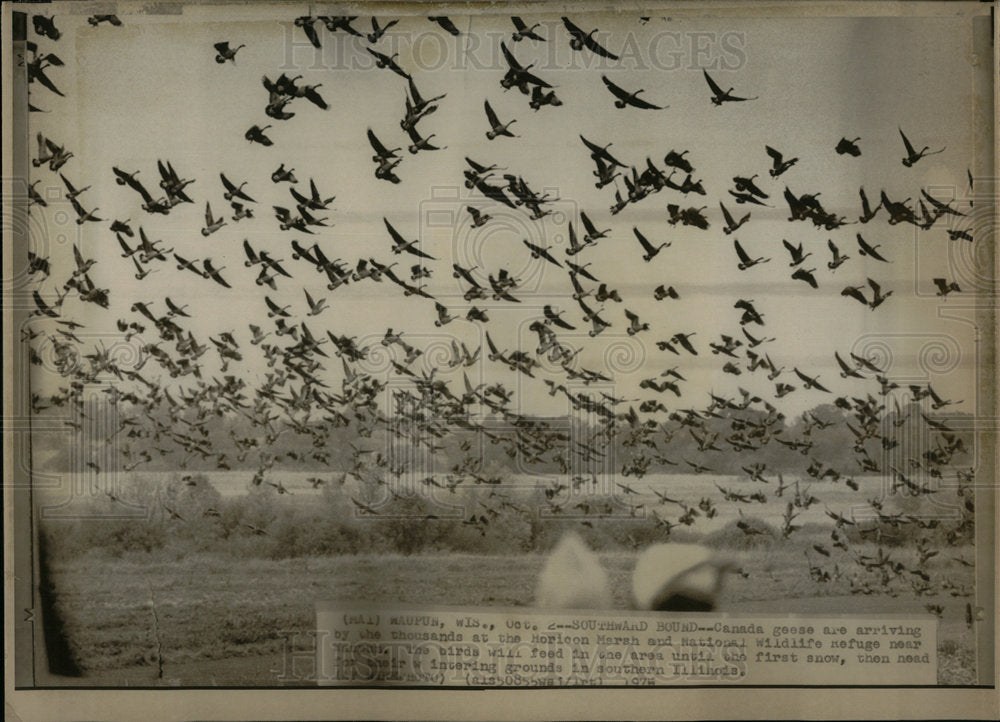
(314, 380)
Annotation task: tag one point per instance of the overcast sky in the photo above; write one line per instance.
(151, 90)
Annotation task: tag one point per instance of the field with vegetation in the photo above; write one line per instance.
(211, 590)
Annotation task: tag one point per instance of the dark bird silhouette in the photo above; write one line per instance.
(517, 76)
(234, 191)
(867, 213)
(521, 31)
(379, 30)
(838, 257)
(718, 96)
(944, 287)
(625, 98)
(418, 143)
(810, 382)
(256, 135)
(445, 24)
(848, 147)
(496, 127)
(45, 27)
(745, 260)
(400, 244)
(385, 61)
(96, 20)
(308, 26)
(224, 52)
(662, 291)
(865, 249)
(878, 297)
(598, 151)
(806, 274)
(796, 253)
(732, 225)
(551, 317)
(82, 215)
(779, 164)
(912, 156)
(581, 40)
(650, 251)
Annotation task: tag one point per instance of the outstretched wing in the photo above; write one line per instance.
(509, 57)
(396, 238)
(727, 215)
(490, 115)
(744, 258)
(377, 145)
(906, 142)
(712, 84)
(619, 92)
(597, 48)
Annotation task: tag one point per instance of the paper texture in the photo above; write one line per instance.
(668, 314)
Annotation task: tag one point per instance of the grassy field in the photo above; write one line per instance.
(221, 620)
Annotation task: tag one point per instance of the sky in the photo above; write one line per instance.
(151, 90)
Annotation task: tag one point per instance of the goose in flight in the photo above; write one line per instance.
(745, 260)
(848, 147)
(71, 192)
(581, 40)
(446, 24)
(625, 98)
(478, 217)
(865, 249)
(731, 224)
(855, 292)
(36, 70)
(838, 257)
(540, 98)
(540, 252)
(82, 215)
(553, 318)
(283, 174)
(517, 75)
(212, 224)
(496, 127)
(779, 164)
(314, 201)
(912, 155)
(635, 325)
(233, 190)
(598, 151)
(796, 253)
(214, 273)
(256, 135)
(400, 244)
(650, 251)
(224, 52)
(418, 143)
(381, 152)
(96, 20)
(810, 382)
(379, 30)
(867, 213)
(521, 31)
(45, 27)
(718, 96)
(806, 274)
(307, 23)
(944, 287)
(386, 61)
(661, 292)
